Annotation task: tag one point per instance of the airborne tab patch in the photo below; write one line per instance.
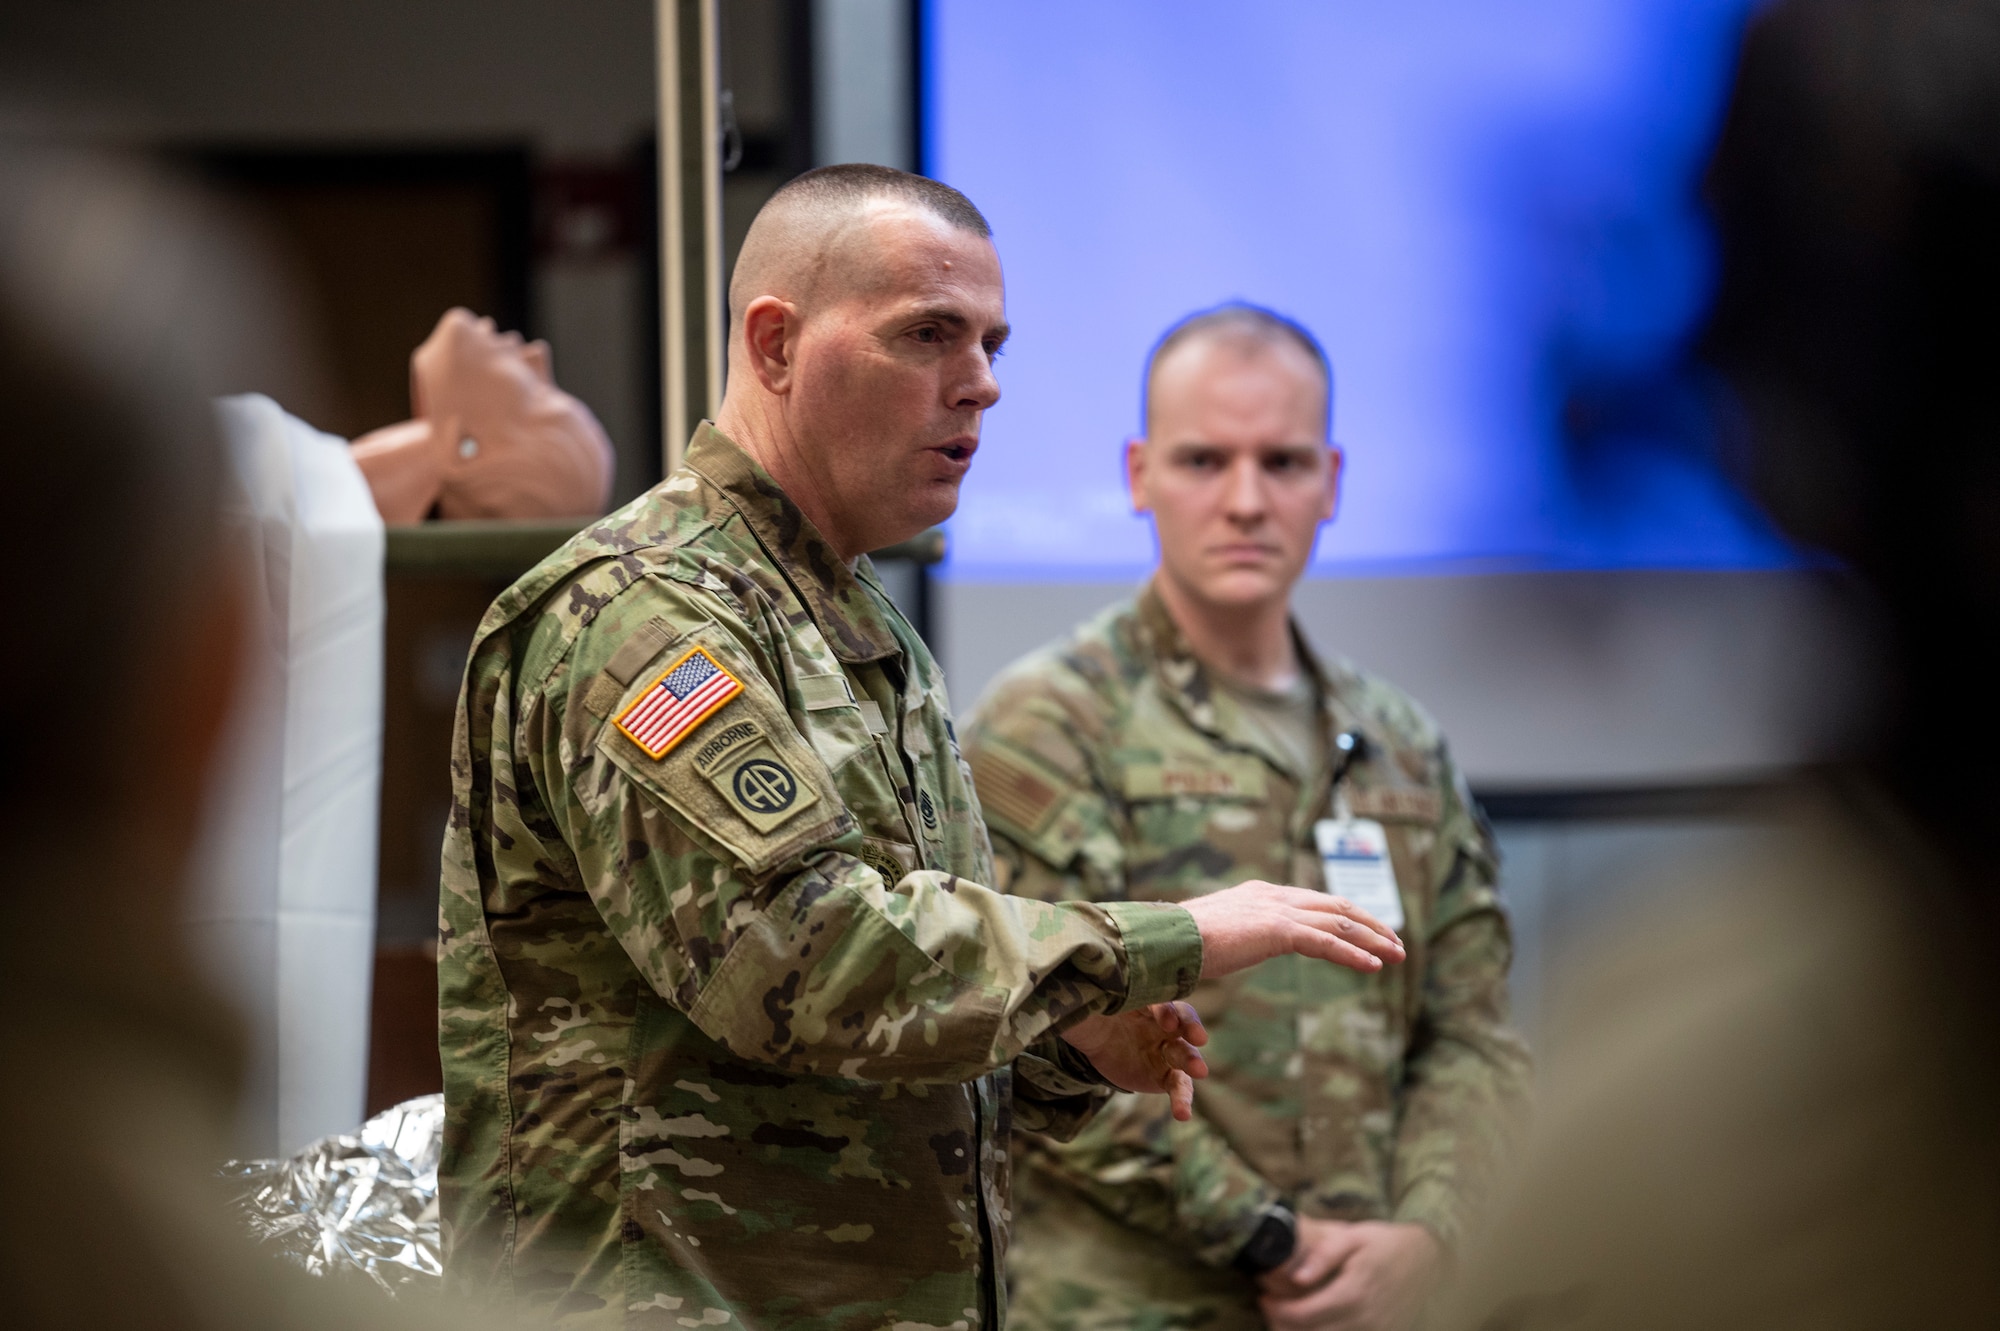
(740, 762)
(687, 693)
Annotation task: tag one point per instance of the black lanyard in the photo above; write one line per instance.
(1352, 746)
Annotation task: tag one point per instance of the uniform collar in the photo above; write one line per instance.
(1191, 687)
(847, 615)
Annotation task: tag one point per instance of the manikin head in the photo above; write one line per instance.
(865, 312)
(1234, 465)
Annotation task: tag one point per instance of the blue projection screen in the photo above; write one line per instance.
(1488, 212)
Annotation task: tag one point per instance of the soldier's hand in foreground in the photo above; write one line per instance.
(1255, 921)
(1150, 1050)
(1370, 1276)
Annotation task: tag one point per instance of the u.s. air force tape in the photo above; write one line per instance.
(763, 789)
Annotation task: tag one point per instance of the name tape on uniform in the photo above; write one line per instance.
(1396, 804)
(1354, 858)
(686, 694)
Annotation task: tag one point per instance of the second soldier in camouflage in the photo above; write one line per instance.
(1121, 766)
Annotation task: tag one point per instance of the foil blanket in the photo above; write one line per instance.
(361, 1204)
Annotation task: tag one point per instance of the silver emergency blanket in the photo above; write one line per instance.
(355, 1204)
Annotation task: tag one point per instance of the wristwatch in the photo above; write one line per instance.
(1270, 1245)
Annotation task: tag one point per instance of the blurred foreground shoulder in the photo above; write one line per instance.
(1766, 1107)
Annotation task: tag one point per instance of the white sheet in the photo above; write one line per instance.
(285, 916)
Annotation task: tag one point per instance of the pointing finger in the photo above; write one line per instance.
(1318, 943)
(1380, 940)
(1342, 906)
(1335, 905)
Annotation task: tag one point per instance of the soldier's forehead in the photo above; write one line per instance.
(913, 255)
(1209, 352)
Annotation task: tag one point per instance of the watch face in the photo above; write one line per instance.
(1270, 1247)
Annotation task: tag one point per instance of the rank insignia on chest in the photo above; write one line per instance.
(687, 693)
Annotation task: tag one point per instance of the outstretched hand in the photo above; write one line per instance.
(1151, 1050)
(1255, 921)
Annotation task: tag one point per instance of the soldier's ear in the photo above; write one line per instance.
(1336, 464)
(1135, 475)
(770, 341)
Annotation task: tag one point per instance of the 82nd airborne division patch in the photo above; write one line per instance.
(758, 785)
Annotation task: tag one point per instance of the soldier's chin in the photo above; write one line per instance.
(935, 502)
(906, 515)
(1243, 586)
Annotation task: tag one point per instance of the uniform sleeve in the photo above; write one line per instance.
(1466, 1082)
(1057, 837)
(731, 874)
(1056, 1090)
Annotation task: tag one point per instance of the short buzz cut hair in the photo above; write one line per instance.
(787, 244)
(852, 183)
(1242, 324)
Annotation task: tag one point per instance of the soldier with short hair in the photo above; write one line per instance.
(731, 1032)
(1191, 739)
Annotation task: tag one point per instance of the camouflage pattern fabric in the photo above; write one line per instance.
(1111, 769)
(731, 1035)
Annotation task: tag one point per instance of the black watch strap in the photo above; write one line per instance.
(1271, 1245)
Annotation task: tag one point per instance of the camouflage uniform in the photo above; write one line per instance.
(725, 1052)
(1111, 769)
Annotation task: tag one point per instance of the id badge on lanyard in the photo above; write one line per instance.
(1354, 858)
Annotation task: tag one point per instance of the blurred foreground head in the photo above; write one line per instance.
(1857, 192)
(1767, 1096)
(122, 311)
(125, 305)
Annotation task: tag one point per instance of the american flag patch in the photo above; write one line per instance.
(690, 692)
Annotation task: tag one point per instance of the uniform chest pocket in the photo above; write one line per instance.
(1197, 824)
(850, 735)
